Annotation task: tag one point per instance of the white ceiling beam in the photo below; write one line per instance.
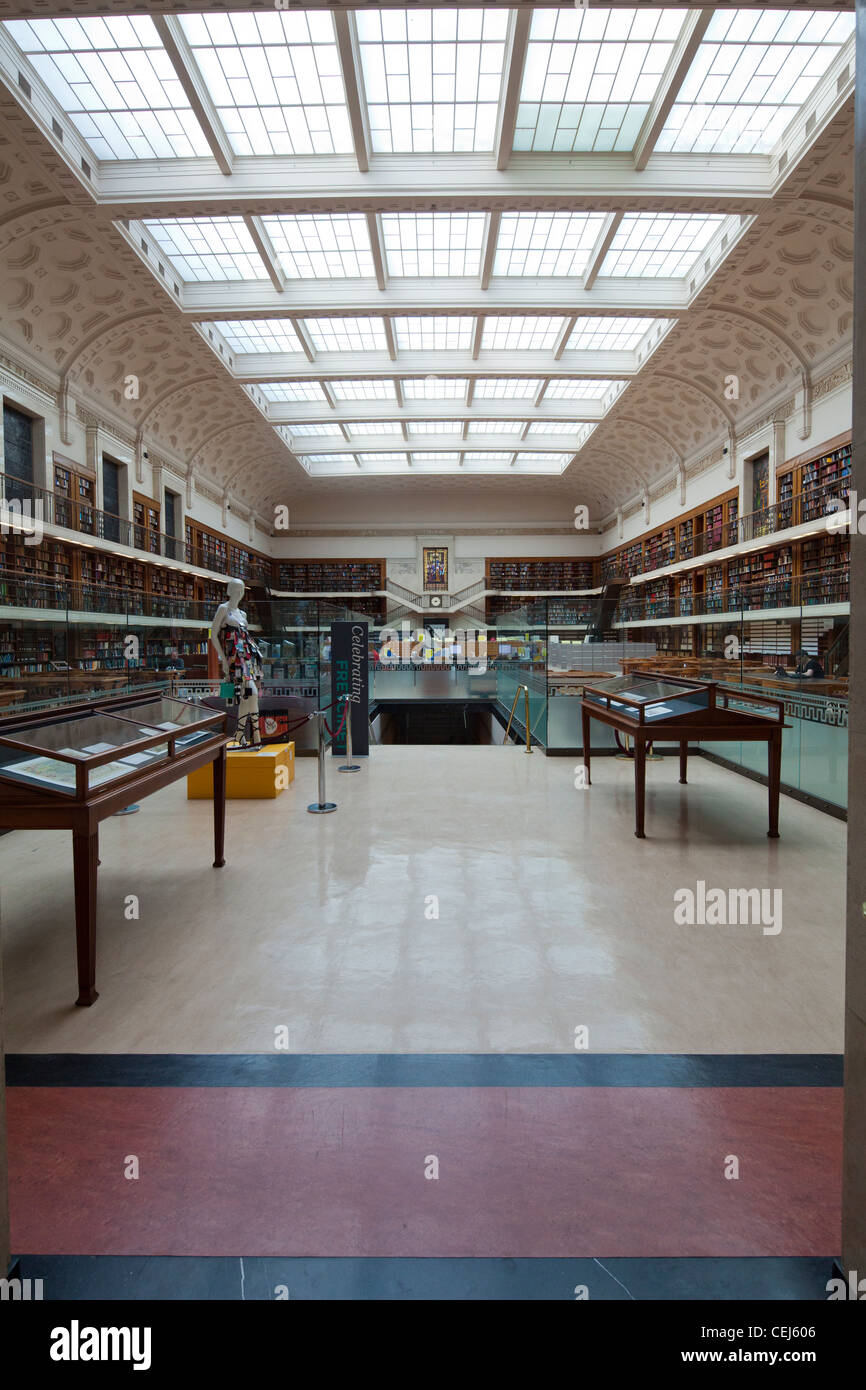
(539, 395)
(398, 392)
(304, 338)
(565, 334)
(470, 392)
(353, 82)
(345, 433)
(285, 366)
(491, 238)
(389, 337)
(524, 433)
(329, 396)
(681, 59)
(601, 248)
(404, 430)
(577, 182)
(265, 248)
(484, 408)
(515, 57)
(374, 231)
(181, 58)
(477, 337)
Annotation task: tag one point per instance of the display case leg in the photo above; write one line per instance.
(85, 851)
(684, 760)
(219, 808)
(774, 781)
(639, 786)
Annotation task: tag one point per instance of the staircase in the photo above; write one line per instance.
(835, 659)
(601, 622)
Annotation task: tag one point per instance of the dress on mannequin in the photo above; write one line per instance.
(240, 662)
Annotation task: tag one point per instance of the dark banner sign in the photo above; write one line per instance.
(350, 662)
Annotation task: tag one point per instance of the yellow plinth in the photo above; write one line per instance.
(253, 774)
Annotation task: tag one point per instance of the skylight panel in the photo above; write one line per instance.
(422, 333)
(274, 79)
(488, 456)
(436, 459)
(208, 248)
(433, 243)
(342, 459)
(521, 334)
(750, 76)
(545, 459)
(507, 388)
(546, 243)
(660, 245)
(321, 246)
(497, 426)
(378, 389)
(292, 391)
(435, 426)
(432, 77)
(347, 335)
(367, 459)
(362, 427)
(556, 426)
(304, 430)
(115, 81)
(434, 388)
(602, 334)
(258, 335)
(573, 389)
(590, 76)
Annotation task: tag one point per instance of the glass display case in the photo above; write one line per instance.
(76, 755)
(648, 698)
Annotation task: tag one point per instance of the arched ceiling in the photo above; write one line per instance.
(77, 299)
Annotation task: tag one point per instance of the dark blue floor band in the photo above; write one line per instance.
(441, 1069)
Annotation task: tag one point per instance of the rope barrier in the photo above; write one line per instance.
(335, 733)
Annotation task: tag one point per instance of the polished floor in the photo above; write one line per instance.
(451, 1041)
(463, 900)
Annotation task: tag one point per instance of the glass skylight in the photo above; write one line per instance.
(346, 335)
(487, 456)
(208, 248)
(432, 77)
(422, 332)
(433, 243)
(291, 391)
(116, 82)
(385, 462)
(751, 74)
(362, 427)
(611, 334)
(546, 243)
(572, 389)
(548, 460)
(372, 390)
(274, 79)
(508, 388)
(590, 76)
(435, 426)
(435, 458)
(330, 458)
(434, 388)
(556, 426)
(521, 334)
(321, 246)
(497, 426)
(327, 431)
(258, 335)
(660, 245)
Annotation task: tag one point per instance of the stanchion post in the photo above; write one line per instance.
(320, 807)
(348, 765)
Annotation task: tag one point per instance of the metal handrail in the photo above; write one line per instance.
(525, 689)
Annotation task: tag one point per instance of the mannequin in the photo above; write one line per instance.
(240, 661)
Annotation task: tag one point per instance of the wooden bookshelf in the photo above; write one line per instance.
(540, 575)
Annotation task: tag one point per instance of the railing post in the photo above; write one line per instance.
(526, 714)
(321, 807)
(348, 765)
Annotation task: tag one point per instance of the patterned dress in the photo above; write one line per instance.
(243, 657)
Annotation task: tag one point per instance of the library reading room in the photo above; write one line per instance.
(429, 865)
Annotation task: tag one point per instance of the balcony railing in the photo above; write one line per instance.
(73, 514)
(783, 591)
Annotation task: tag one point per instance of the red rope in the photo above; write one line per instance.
(335, 733)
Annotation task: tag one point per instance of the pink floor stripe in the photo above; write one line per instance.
(523, 1172)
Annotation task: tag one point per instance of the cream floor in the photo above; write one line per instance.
(551, 916)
